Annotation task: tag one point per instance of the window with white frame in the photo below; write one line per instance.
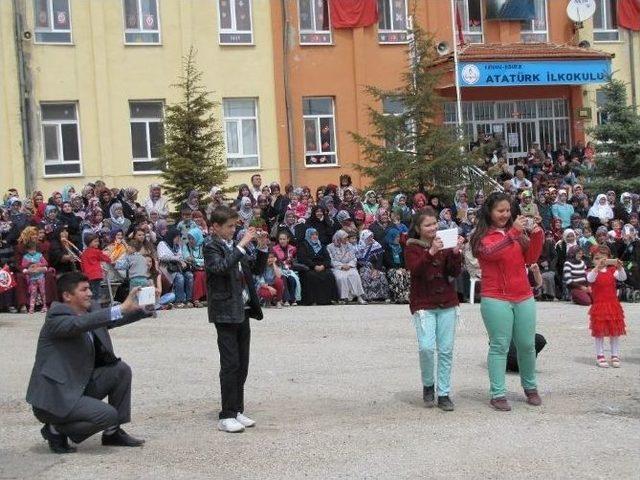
(601, 100)
(319, 131)
(392, 21)
(241, 132)
(147, 134)
(60, 139)
(52, 21)
(469, 13)
(605, 21)
(141, 21)
(404, 140)
(313, 16)
(536, 31)
(234, 18)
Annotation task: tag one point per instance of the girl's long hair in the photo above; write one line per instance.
(484, 219)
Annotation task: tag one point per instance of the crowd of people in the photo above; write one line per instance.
(332, 245)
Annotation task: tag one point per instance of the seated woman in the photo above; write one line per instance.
(398, 276)
(344, 267)
(270, 286)
(575, 277)
(547, 266)
(318, 283)
(63, 254)
(193, 255)
(286, 255)
(117, 218)
(174, 268)
(370, 254)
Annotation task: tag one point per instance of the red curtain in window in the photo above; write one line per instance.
(353, 13)
(629, 14)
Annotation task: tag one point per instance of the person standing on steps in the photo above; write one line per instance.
(504, 247)
(433, 301)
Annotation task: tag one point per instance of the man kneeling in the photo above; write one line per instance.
(75, 368)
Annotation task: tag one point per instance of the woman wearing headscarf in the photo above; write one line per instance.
(600, 213)
(244, 192)
(288, 226)
(329, 206)
(345, 183)
(419, 202)
(400, 206)
(94, 224)
(117, 218)
(370, 205)
(37, 199)
(370, 259)
(318, 282)
(245, 211)
(78, 207)
(381, 225)
(446, 220)
(68, 191)
(157, 201)
(319, 221)
(192, 254)
(569, 240)
(64, 255)
(344, 267)
(216, 199)
(51, 221)
(69, 219)
(174, 268)
(192, 202)
(267, 212)
(350, 201)
(548, 264)
(630, 255)
(398, 276)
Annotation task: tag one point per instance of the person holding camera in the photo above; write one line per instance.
(76, 367)
(232, 301)
(504, 247)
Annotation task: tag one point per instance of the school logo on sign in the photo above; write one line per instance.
(470, 74)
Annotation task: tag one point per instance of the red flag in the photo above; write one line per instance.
(353, 13)
(459, 26)
(7, 281)
(629, 14)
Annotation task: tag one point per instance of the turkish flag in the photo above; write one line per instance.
(7, 280)
(629, 14)
(353, 13)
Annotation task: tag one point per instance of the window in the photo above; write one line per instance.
(535, 31)
(470, 16)
(141, 21)
(53, 22)
(392, 23)
(241, 132)
(147, 135)
(319, 131)
(60, 139)
(601, 100)
(314, 22)
(234, 17)
(605, 21)
(404, 141)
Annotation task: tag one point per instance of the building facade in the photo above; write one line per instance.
(85, 83)
(99, 74)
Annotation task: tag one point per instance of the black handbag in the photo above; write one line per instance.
(173, 267)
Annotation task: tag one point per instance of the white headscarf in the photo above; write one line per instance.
(601, 211)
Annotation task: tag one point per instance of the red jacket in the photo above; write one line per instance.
(90, 263)
(503, 258)
(431, 276)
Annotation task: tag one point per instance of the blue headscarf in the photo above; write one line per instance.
(316, 245)
(66, 196)
(394, 248)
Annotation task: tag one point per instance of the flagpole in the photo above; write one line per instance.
(455, 67)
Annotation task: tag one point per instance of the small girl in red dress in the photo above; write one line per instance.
(606, 314)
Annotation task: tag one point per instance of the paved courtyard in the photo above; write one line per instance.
(336, 393)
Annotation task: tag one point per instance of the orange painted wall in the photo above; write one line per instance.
(356, 59)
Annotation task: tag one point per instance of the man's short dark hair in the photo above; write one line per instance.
(223, 214)
(68, 282)
(254, 176)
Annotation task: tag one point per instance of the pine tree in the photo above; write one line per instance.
(618, 143)
(410, 151)
(193, 155)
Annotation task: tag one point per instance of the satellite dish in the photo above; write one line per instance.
(581, 10)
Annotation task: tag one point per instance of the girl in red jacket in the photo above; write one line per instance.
(433, 301)
(504, 247)
(90, 263)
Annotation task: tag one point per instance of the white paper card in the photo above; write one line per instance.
(147, 296)
(449, 237)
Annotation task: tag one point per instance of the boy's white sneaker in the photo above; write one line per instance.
(230, 425)
(245, 421)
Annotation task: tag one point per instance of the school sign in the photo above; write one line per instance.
(554, 72)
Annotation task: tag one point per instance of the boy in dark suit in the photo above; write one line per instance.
(232, 301)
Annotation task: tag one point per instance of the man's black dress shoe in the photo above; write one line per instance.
(121, 439)
(57, 443)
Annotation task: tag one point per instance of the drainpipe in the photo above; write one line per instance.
(286, 46)
(25, 90)
(632, 68)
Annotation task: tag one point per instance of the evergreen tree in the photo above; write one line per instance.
(410, 151)
(193, 156)
(618, 143)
